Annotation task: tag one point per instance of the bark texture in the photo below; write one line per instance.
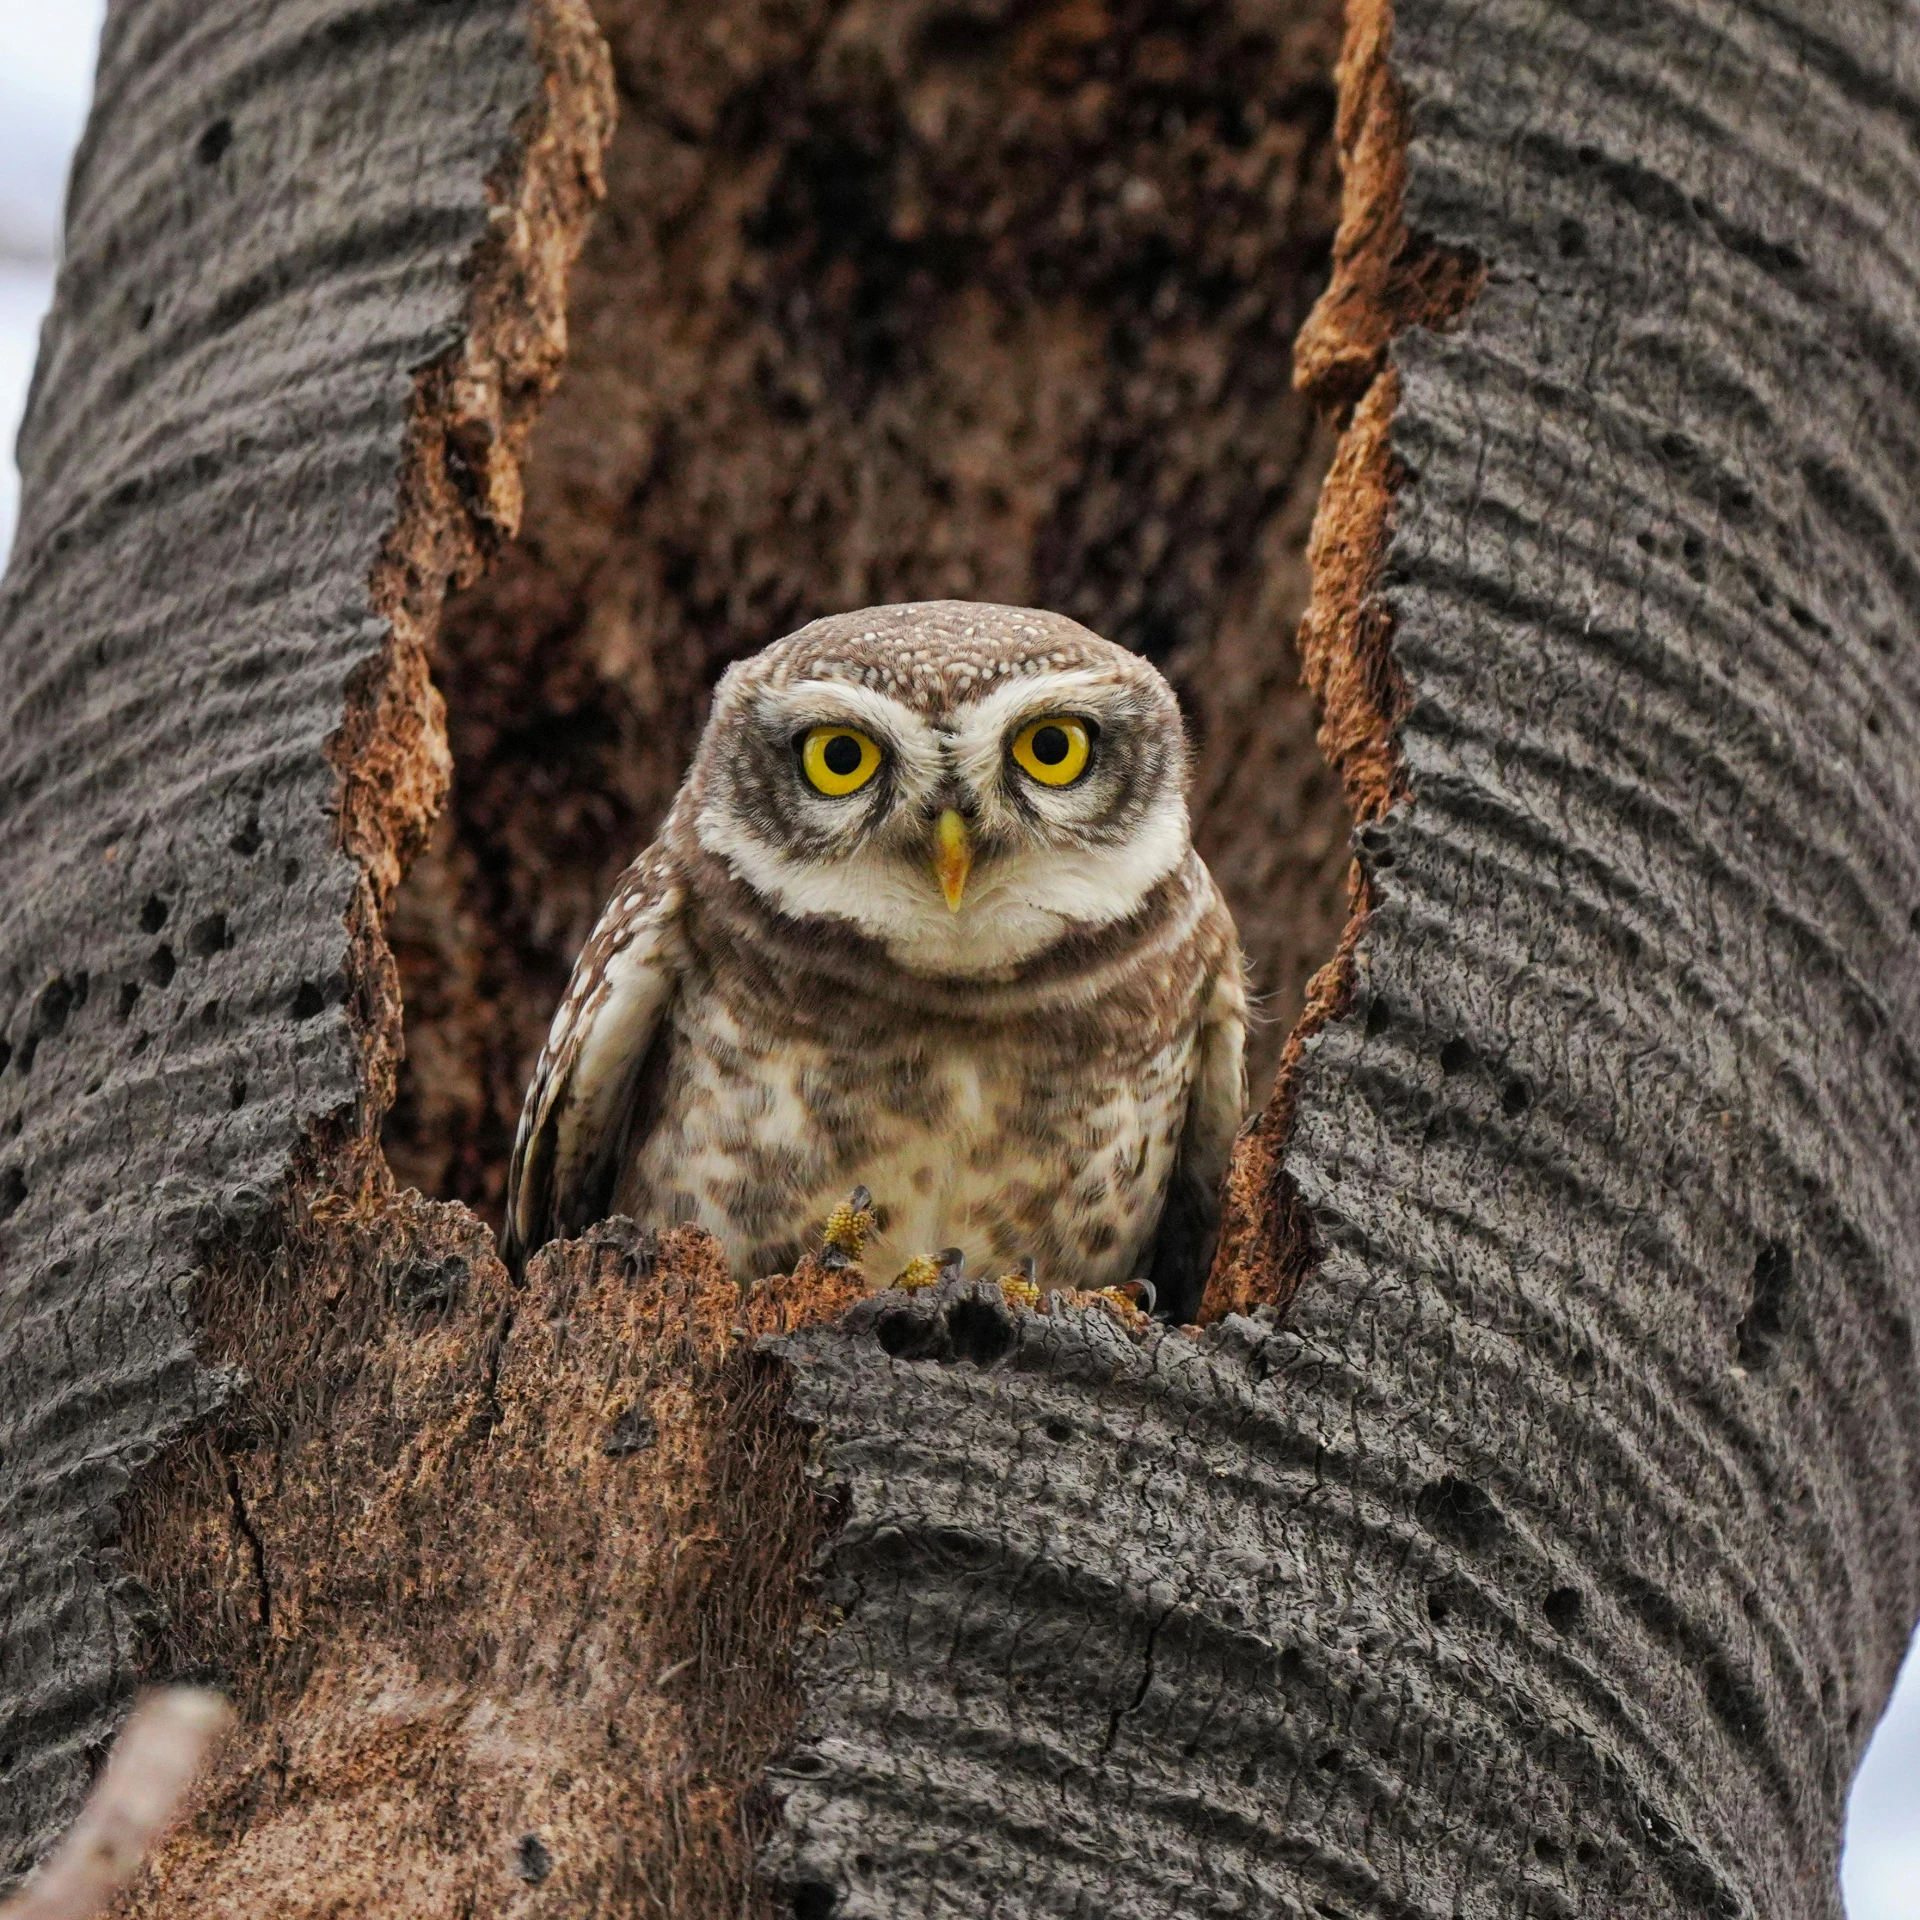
(314, 288)
(1536, 1527)
(1557, 1549)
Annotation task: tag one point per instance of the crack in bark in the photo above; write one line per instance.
(1146, 1682)
(256, 1547)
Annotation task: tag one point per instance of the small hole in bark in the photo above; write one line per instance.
(160, 966)
(128, 999)
(429, 1284)
(531, 1860)
(1378, 1018)
(144, 318)
(213, 142)
(1331, 1761)
(1691, 547)
(1057, 1431)
(1457, 1510)
(898, 1333)
(237, 1093)
(863, 1863)
(1659, 1829)
(1515, 1098)
(1853, 1721)
(814, 1900)
(153, 916)
(1548, 1852)
(633, 1432)
(6, 1054)
(1586, 1853)
(1644, 541)
(1456, 1056)
(289, 872)
(13, 1191)
(1873, 724)
(247, 839)
(57, 1000)
(307, 1001)
(1766, 1317)
(1572, 239)
(1437, 1609)
(979, 1334)
(1562, 1608)
(211, 935)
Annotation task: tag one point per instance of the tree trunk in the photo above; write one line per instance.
(1534, 1527)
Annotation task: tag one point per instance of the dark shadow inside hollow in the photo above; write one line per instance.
(888, 304)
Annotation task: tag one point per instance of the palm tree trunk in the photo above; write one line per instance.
(1534, 1528)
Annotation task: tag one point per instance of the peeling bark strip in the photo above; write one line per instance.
(1557, 1552)
(1386, 278)
(279, 220)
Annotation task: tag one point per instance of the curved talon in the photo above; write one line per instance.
(1142, 1286)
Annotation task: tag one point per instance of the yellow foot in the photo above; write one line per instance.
(847, 1228)
(1020, 1287)
(948, 1264)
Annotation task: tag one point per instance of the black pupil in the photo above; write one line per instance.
(1051, 746)
(842, 754)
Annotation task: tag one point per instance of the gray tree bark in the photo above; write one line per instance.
(1534, 1526)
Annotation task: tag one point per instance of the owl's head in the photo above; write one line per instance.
(965, 784)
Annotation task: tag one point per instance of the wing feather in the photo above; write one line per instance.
(1189, 1228)
(576, 1124)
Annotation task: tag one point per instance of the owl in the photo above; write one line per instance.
(925, 917)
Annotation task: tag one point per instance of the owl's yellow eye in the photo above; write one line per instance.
(1054, 751)
(837, 760)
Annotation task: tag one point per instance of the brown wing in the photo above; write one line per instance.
(1189, 1228)
(576, 1125)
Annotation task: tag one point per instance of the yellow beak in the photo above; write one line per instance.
(952, 857)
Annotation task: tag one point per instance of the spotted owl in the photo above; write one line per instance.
(925, 917)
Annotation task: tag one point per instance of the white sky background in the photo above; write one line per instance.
(46, 69)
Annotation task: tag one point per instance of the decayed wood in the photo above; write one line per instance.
(511, 1601)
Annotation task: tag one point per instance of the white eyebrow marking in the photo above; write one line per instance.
(980, 726)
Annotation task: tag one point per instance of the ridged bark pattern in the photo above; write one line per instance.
(270, 220)
(1556, 1554)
